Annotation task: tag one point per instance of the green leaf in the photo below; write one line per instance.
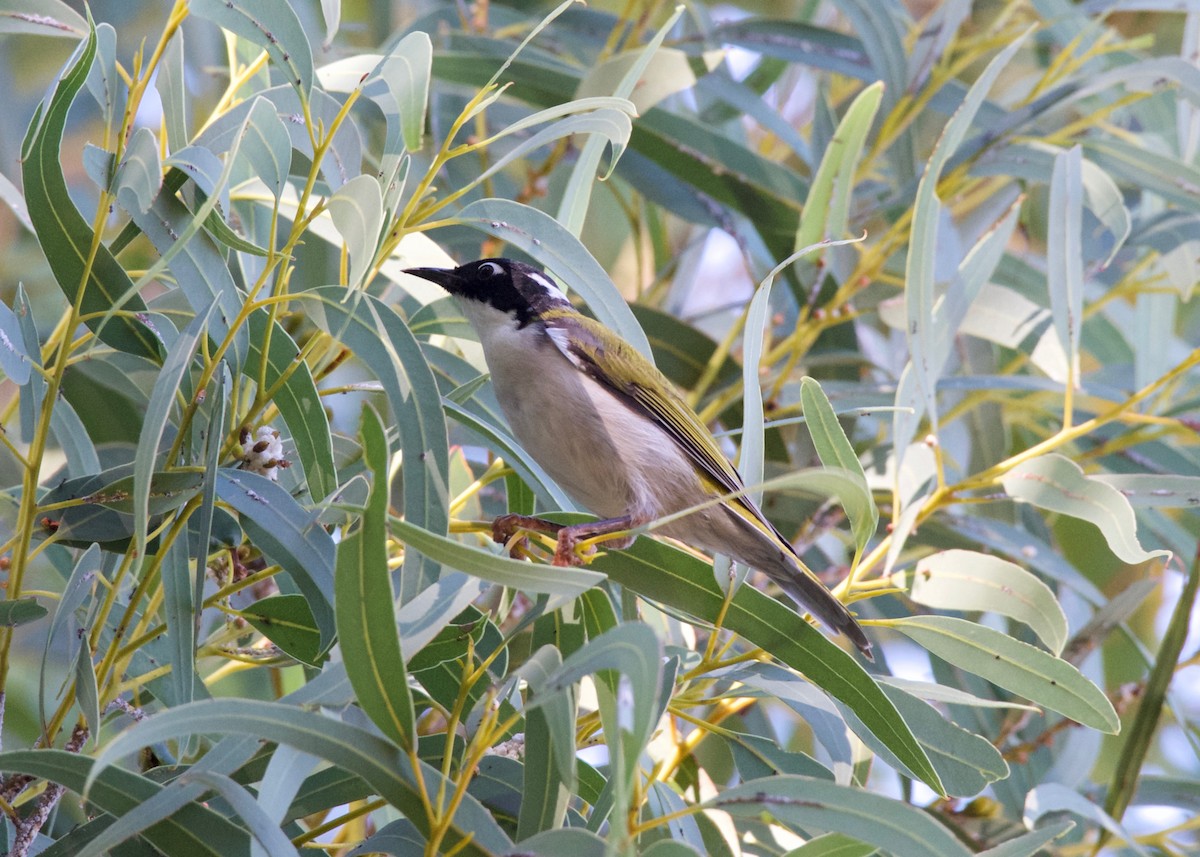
(65, 236)
(1031, 843)
(297, 399)
(1132, 759)
(273, 26)
(1015, 666)
(835, 451)
(181, 611)
(1154, 490)
(548, 778)
(573, 841)
(756, 757)
(20, 611)
(357, 211)
(950, 695)
(833, 845)
(825, 215)
(405, 72)
(921, 289)
(167, 386)
(1053, 798)
(388, 770)
(1064, 252)
(971, 581)
(380, 339)
(287, 621)
(806, 803)
(14, 357)
(671, 73)
(192, 829)
(87, 695)
(967, 763)
(266, 147)
(342, 160)
(267, 834)
(42, 18)
(1056, 483)
(198, 267)
(139, 175)
(289, 535)
(661, 573)
(365, 601)
(172, 92)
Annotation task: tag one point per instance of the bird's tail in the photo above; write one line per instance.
(768, 551)
(803, 587)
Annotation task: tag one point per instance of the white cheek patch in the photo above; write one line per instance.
(548, 284)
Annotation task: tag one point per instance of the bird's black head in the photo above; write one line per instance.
(511, 287)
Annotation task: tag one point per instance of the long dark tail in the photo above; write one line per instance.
(773, 555)
(804, 588)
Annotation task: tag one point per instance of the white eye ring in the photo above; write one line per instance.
(490, 269)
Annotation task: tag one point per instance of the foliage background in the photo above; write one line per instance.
(1009, 351)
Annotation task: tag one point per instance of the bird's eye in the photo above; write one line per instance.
(490, 269)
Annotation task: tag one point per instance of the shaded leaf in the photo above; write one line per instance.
(1015, 666)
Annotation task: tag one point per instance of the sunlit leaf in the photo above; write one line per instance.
(1057, 484)
(969, 581)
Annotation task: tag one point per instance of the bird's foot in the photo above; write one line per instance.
(510, 531)
(567, 553)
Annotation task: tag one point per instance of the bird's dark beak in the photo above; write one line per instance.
(447, 278)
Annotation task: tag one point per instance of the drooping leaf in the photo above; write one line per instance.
(65, 236)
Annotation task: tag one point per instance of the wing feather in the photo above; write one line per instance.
(617, 365)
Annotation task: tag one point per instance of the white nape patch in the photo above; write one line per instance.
(548, 284)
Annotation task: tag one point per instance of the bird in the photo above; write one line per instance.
(611, 430)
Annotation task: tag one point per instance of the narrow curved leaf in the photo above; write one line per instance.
(384, 766)
(65, 236)
(685, 583)
(297, 399)
(20, 611)
(191, 829)
(806, 803)
(357, 212)
(364, 603)
(289, 535)
(517, 574)
(539, 235)
(381, 340)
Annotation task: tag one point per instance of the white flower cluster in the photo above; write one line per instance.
(265, 455)
(513, 748)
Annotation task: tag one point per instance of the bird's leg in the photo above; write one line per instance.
(505, 527)
(569, 537)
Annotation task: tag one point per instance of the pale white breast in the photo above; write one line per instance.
(610, 460)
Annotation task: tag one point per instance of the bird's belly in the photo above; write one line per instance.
(609, 459)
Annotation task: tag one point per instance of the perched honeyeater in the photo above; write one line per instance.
(611, 431)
